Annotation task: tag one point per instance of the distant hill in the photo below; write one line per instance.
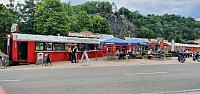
(53, 17)
(125, 22)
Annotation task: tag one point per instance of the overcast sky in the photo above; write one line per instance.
(159, 7)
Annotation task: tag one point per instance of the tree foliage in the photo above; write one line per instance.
(6, 21)
(100, 25)
(166, 26)
(25, 15)
(51, 18)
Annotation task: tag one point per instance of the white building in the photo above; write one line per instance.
(114, 8)
(197, 19)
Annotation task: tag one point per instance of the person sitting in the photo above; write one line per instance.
(118, 54)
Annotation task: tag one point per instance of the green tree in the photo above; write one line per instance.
(84, 21)
(144, 32)
(26, 17)
(100, 25)
(68, 9)
(6, 21)
(51, 18)
(179, 39)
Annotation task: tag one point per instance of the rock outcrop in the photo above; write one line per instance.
(121, 26)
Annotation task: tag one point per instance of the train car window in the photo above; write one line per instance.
(66, 46)
(86, 47)
(91, 47)
(49, 46)
(39, 46)
(62, 47)
(97, 46)
(80, 46)
(57, 47)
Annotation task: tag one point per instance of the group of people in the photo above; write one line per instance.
(73, 53)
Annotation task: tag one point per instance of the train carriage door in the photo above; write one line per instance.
(23, 51)
(5, 46)
(8, 47)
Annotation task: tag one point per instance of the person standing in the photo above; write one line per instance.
(1, 59)
(49, 60)
(74, 55)
(70, 53)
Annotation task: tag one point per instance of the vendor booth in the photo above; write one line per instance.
(138, 45)
(119, 43)
(114, 46)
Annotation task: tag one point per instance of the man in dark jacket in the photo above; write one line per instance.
(74, 55)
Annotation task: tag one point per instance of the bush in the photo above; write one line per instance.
(139, 57)
(133, 56)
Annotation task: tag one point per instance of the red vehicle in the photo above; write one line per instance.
(23, 48)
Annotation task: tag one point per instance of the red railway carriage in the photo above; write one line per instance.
(24, 47)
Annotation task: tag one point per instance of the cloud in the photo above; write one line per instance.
(159, 7)
(4, 1)
(7, 1)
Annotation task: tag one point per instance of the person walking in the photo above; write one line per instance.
(70, 53)
(82, 49)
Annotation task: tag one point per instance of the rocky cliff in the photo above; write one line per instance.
(121, 26)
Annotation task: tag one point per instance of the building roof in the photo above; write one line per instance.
(197, 41)
(51, 38)
(137, 41)
(86, 34)
(114, 41)
(105, 37)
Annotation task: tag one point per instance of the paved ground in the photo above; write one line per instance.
(120, 78)
(98, 63)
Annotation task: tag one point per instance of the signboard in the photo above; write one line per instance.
(173, 45)
(86, 56)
